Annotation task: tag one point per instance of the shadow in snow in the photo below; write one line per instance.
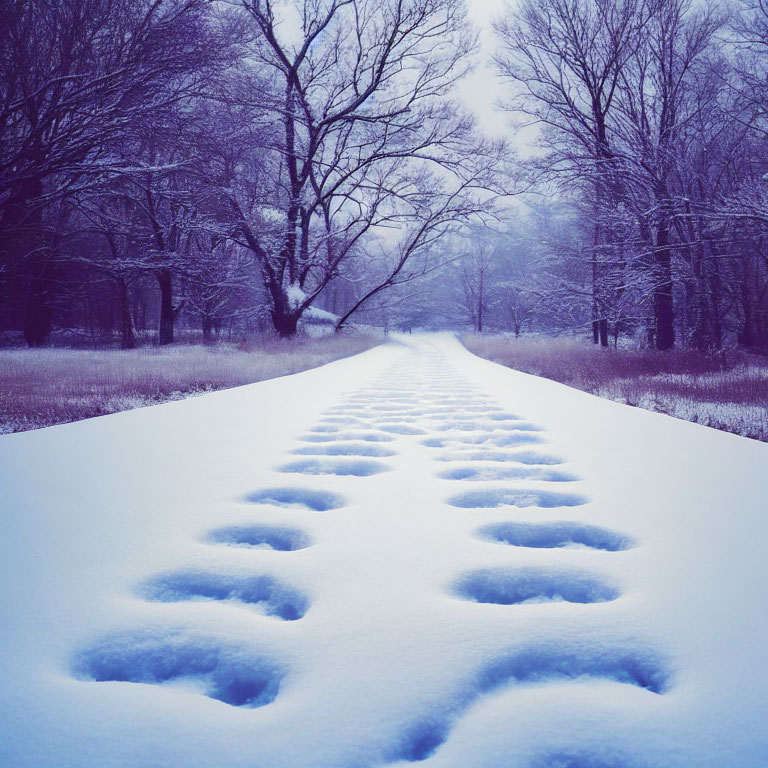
(229, 674)
(460, 425)
(388, 419)
(283, 539)
(320, 501)
(344, 449)
(272, 596)
(482, 439)
(539, 663)
(506, 586)
(487, 498)
(508, 473)
(346, 467)
(368, 437)
(520, 457)
(422, 740)
(553, 535)
(580, 759)
(400, 429)
(542, 663)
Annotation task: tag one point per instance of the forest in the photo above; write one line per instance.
(187, 169)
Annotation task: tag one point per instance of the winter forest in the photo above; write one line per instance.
(383, 382)
(219, 169)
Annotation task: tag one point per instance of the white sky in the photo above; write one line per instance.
(482, 89)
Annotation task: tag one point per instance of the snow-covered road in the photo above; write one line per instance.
(410, 555)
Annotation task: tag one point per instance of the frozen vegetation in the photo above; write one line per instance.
(350, 568)
(53, 386)
(728, 391)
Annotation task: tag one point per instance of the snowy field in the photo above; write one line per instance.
(727, 391)
(43, 387)
(412, 555)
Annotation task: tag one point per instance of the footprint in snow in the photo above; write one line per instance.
(481, 474)
(345, 449)
(488, 498)
(500, 441)
(257, 536)
(370, 437)
(300, 498)
(230, 674)
(344, 467)
(475, 426)
(270, 595)
(400, 429)
(521, 457)
(537, 664)
(512, 586)
(389, 418)
(555, 535)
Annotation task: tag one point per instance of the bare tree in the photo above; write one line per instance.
(362, 137)
(566, 58)
(77, 76)
(618, 87)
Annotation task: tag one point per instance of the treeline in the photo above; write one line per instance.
(232, 167)
(653, 118)
(220, 166)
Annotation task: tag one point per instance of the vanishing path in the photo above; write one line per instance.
(412, 555)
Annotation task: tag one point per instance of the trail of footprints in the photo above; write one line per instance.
(484, 449)
(224, 671)
(492, 453)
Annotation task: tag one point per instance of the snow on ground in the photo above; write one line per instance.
(410, 555)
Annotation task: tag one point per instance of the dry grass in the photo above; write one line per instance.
(39, 388)
(728, 392)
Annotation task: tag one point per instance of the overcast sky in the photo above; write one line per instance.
(482, 89)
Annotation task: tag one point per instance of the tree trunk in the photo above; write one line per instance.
(207, 323)
(746, 336)
(285, 323)
(167, 312)
(22, 244)
(127, 339)
(603, 332)
(38, 313)
(663, 307)
(480, 299)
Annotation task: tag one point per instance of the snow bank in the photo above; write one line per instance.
(356, 566)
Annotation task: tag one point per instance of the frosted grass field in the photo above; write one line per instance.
(54, 386)
(727, 392)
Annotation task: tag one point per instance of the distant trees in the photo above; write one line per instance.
(239, 158)
(226, 167)
(78, 80)
(363, 137)
(568, 57)
(651, 126)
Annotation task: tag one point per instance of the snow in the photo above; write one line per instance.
(295, 295)
(364, 565)
(315, 314)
